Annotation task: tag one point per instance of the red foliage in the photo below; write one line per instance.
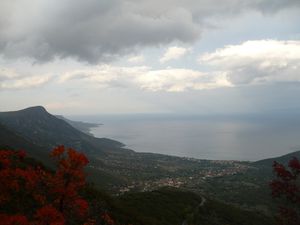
(287, 187)
(49, 215)
(13, 219)
(67, 181)
(32, 195)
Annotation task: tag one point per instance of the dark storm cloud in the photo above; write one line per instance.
(94, 30)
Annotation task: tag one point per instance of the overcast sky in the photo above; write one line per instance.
(150, 56)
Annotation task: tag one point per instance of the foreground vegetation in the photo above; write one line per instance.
(32, 194)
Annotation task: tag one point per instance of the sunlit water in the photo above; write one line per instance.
(239, 138)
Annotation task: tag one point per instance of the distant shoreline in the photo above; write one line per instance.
(84, 127)
(249, 139)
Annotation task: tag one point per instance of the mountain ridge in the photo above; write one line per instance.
(43, 128)
(85, 127)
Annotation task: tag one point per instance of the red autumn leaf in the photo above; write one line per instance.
(287, 188)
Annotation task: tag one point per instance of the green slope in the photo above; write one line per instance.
(169, 206)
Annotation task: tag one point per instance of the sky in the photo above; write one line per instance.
(148, 56)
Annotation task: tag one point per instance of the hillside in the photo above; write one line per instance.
(82, 126)
(42, 128)
(284, 159)
(38, 132)
(10, 140)
(175, 206)
(249, 189)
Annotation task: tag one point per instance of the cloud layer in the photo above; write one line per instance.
(170, 80)
(173, 53)
(249, 63)
(10, 79)
(257, 62)
(98, 31)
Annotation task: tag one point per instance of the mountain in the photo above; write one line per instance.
(82, 126)
(36, 131)
(43, 129)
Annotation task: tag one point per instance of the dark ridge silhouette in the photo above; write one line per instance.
(41, 128)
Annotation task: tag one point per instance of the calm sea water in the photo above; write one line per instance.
(214, 137)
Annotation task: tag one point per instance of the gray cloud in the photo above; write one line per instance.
(94, 30)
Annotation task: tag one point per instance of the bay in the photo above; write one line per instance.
(250, 137)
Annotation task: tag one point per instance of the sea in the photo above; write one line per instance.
(234, 137)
